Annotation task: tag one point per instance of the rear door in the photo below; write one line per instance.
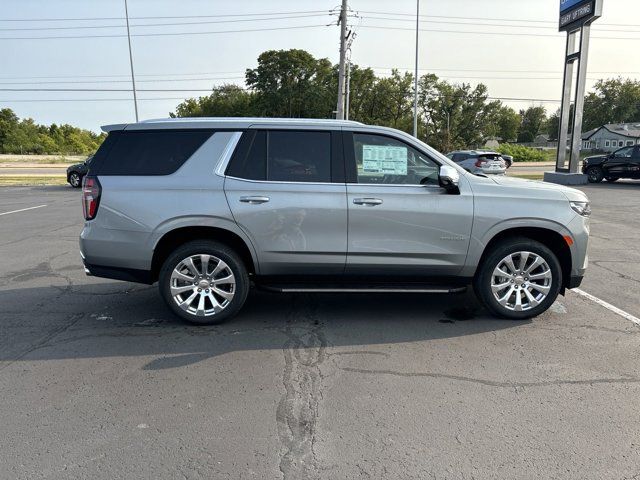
(286, 190)
(401, 223)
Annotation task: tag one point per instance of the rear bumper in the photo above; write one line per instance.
(119, 273)
(575, 281)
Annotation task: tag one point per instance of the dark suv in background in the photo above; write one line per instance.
(76, 172)
(623, 163)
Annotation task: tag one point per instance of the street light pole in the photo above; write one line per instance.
(415, 80)
(133, 77)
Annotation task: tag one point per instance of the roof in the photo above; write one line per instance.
(226, 122)
(631, 130)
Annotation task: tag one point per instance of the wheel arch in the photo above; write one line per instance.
(172, 239)
(552, 239)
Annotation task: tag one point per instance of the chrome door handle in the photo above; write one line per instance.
(369, 202)
(254, 200)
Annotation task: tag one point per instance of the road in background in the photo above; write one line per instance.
(100, 381)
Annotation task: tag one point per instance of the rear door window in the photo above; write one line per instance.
(283, 156)
(156, 152)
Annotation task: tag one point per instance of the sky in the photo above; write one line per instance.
(512, 46)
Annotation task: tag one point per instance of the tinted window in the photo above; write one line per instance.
(285, 156)
(250, 157)
(158, 152)
(624, 153)
(299, 156)
(385, 160)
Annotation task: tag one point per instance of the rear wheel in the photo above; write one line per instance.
(519, 279)
(595, 174)
(204, 282)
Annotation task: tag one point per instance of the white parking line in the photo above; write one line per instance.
(22, 210)
(608, 306)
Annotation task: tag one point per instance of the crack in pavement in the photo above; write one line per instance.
(297, 412)
(492, 383)
(72, 319)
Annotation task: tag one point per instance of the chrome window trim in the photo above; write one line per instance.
(223, 162)
(282, 181)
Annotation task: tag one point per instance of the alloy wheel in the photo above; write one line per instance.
(202, 285)
(521, 281)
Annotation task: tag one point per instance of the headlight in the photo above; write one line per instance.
(581, 208)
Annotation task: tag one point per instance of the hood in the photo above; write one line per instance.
(572, 194)
(75, 166)
(594, 158)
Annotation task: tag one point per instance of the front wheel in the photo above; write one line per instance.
(519, 279)
(204, 282)
(75, 180)
(595, 174)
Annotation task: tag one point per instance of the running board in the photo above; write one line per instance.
(363, 289)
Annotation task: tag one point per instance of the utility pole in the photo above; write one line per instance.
(415, 80)
(348, 94)
(343, 55)
(133, 77)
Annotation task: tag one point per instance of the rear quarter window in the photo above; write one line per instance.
(155, 152)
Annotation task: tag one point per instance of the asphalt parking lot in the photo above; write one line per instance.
(99, 381)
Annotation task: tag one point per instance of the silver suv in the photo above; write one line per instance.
(208, 207)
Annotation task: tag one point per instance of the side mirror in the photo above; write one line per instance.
(449, 179)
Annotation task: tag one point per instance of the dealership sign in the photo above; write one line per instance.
(575, 13)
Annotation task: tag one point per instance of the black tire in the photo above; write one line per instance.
(75, 180)
(595, 174)
(612, 179)
(205, 247)
(483, 278)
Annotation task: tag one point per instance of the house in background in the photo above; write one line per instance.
(611, 137)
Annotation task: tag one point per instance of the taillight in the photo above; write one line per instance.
(479, 163)
(91, 190)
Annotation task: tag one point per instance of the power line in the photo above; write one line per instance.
(75, 82)
(88, 100)
(489, 19)
(164, 34)
(484, 24)
(92, 19)
(557, 36)
(123, 75)
(173, 24)
(120, 75)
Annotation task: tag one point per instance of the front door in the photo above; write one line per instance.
(288, 198)
(618, 165)
(401, 222)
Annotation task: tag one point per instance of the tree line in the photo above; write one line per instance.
(293, 83)
(27, 137)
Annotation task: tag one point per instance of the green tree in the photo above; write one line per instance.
(457, 116)
(225, 101)
(613, 101)
(292, 83)
(533, 122)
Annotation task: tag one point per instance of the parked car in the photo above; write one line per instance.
(508, 159)
(209, 207)
(76, 172)
(474, 161)
(623, 163)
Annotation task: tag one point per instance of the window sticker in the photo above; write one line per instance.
(384, 159)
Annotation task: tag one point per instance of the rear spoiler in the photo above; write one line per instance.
(111, 128)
